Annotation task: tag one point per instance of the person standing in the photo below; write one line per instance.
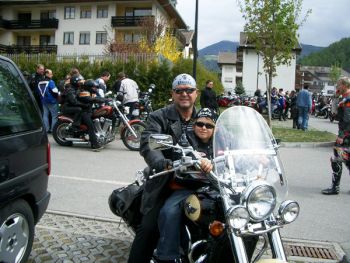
(294, 109)
(343, 138)
(48, 95)
(208, 97)
(36, 77)
(101, 81)
(304, 107)
(130, 91)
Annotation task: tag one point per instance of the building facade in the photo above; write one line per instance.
(248, 68)
(82, 27)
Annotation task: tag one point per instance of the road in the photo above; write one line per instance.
(82, 180)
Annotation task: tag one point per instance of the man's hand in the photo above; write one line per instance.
(206, 165)
(163, 164)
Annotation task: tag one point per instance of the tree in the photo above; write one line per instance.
(271, 27)
(239, 90)
(335, 73)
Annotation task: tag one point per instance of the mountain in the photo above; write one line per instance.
(222, 46)
(209, 55)
(337, 53)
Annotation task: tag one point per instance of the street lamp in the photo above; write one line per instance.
(195, 40)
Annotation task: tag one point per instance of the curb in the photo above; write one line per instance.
(306, 144)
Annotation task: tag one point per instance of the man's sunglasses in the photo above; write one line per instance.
(187, 90)
(202, 124)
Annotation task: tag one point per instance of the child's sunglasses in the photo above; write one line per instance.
(202, 124)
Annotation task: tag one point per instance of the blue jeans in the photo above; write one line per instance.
(303, 117)
(47, 109)
(169, 223)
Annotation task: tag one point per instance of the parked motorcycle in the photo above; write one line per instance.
(323, 112)
(145, 102)
(240, 202)
(106, 119)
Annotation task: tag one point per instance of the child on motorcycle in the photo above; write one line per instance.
(170, 216)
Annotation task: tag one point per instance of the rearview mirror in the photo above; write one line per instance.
(160, 141)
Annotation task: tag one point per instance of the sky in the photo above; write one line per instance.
(221, 20)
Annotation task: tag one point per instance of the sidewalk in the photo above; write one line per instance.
(62, 237)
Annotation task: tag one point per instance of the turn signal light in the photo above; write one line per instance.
(216, 228)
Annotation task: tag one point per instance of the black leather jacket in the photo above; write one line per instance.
(344, 118)
(165, 121)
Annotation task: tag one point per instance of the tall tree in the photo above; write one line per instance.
(272, 26)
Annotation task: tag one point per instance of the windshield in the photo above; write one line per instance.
(245, 151)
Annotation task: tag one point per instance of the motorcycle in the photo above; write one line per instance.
(240, 202)
(145, 102)
(323, 112)
(106, 119)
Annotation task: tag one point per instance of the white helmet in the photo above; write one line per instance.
(184, 79)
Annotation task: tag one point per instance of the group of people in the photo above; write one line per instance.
(75, 96)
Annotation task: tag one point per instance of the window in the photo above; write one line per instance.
(68, 38)
(18, 113)
(69, 12)
(101, 37)
(228, 80)
(142, 12)
(84, 38)
(102, 11)
(51, 14)
(46, 40)
(23, 40)
(132, 38)
(85, 12)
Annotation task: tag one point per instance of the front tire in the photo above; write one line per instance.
(60, 133)
(129, 139)
(16, 232)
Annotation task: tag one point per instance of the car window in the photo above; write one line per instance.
(17, 110)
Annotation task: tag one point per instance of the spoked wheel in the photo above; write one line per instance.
(61, 133)
(16, 232)
(129, 139)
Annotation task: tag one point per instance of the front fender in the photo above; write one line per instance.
(65, 118)
(130, 123)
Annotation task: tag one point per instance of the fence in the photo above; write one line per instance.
(120, 57)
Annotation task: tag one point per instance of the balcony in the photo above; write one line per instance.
(30, 24)
(177, 33)
(129, 21)
(30, 49)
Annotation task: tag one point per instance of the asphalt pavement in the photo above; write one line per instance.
(82, 180)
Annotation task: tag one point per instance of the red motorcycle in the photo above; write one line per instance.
(107, 119)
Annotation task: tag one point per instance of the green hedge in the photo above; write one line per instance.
(160, 73)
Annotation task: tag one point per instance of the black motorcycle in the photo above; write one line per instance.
(145, 102)
(240, 202)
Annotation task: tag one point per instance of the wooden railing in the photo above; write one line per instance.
(30, 49)
(128, 21)
(29, 24)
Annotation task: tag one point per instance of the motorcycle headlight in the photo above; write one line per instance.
(260, 200)
(289, 211)
(238, 217)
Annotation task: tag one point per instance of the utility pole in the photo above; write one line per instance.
(195, 40)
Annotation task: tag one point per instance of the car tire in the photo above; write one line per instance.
(16, 232)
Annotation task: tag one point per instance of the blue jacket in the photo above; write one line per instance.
(304, 99)
(48, 91)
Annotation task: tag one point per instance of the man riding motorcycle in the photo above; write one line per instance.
(175, 120)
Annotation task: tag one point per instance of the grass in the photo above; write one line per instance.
(294, 135)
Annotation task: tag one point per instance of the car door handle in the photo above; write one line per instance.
(4, 170)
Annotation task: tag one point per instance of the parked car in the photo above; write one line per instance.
(24, 165)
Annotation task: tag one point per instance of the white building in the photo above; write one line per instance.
(248, 69)
(81, 26)
(229, 75)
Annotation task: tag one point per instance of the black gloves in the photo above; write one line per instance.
(161, 165)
